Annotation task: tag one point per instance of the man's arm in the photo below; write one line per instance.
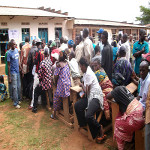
(139, 53)
(103, 58)
(9, 75)
(87, 51)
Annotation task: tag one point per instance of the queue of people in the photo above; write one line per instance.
(103, 71)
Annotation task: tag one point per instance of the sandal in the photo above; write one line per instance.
(101, 137)
(101, 140)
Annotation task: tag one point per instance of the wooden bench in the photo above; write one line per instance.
(74, 91)
(64, 114)
(139, 135)
(73, 96)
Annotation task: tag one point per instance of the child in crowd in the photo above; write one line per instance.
(3, 92)
(63, 82)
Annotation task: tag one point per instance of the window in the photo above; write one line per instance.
(25, 32)
(4, 35)
(43, 34)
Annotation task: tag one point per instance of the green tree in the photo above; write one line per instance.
(145, 17)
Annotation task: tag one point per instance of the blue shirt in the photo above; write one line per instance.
(13, 58)
(138, 47)
(144, 87)
(115, 49)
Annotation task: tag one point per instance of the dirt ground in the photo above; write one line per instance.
(23, 130)
(20, 128)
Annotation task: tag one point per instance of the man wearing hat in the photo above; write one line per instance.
(70, 45)
(100, 31)
(53, 46)
(45, 76)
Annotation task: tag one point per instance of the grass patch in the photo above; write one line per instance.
(21, 127)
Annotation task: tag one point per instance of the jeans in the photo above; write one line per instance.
(10, 89)
(37, 92)
(16, 88)
(147, 136)
(88, 117)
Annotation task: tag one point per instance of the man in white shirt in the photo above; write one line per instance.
(88, 46)
(73, 65)
(63, 46)
(74, 68)
(126, 44)
(79, 48)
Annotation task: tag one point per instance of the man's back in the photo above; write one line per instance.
(107, 60)
(88, 49)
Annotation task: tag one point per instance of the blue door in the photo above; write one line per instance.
(43, 34)
(25, 32)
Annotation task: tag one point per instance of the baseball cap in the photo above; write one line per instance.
(65, 38)
(101, 30)
(53, 44)
(38, 40)
(70, 42)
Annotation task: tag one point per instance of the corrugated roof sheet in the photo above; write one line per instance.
(104, 22)
(19, 11)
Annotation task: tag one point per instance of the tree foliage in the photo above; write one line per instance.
(145, 17)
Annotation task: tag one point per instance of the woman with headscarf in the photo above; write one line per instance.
(105, 84)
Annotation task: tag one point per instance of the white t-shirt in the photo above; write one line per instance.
(74, 68)
(89, 78)
(127, 47)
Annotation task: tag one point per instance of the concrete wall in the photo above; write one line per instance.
(52, 23)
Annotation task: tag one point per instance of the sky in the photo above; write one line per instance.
(113, 10)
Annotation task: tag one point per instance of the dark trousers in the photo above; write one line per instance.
(87, 117)
(37, 92)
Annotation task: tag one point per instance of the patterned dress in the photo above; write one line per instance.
(63, 86)
(45, 73)
(3, 92)
(106, 86)
(123, 67)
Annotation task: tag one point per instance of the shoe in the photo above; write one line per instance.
(18, 106)
(19, 102)
(30, 107)
(34, 110)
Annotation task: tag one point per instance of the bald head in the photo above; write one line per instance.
(144, 69)
(144, 64)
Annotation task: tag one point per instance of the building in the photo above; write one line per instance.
(112, 27)
(19, 22)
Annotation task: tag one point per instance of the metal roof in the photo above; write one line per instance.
(20, 11)
(105, 23)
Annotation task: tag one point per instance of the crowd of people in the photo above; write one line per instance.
(102, 70)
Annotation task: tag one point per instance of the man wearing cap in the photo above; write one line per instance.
(100, 31)
(140, 47)
(70, 45)
(37, 58)
(45, 78)
(88, 46)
